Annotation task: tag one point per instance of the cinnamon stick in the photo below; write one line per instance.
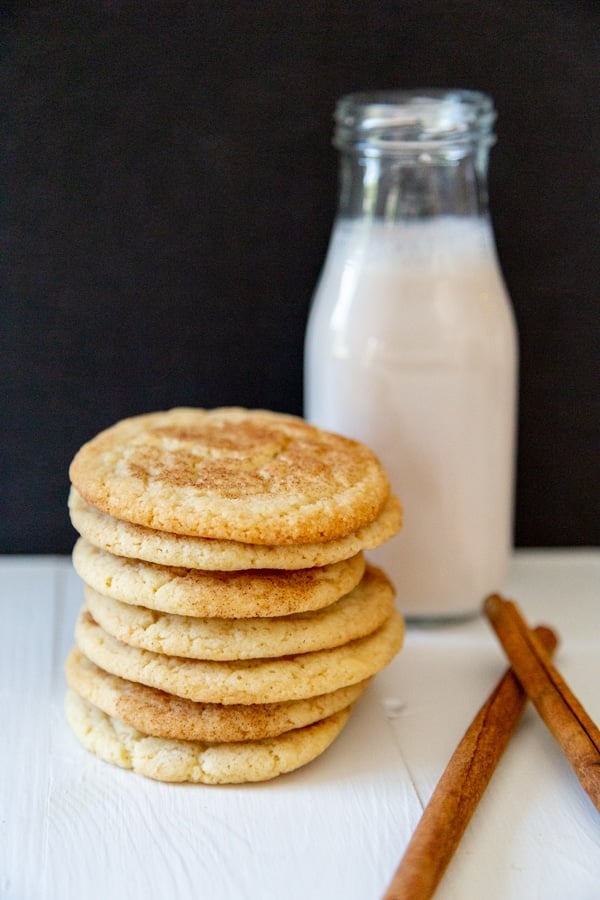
(459, 790)
(576, 733)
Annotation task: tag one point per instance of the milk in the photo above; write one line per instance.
(411, 348)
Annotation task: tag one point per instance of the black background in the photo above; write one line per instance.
(169, 192)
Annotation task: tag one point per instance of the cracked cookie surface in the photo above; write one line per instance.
(251, 476)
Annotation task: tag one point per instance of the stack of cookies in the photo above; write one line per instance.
(230, 620)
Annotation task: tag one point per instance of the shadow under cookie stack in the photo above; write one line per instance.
(230, 620)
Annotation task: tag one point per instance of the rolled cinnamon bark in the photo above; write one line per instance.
(577, 735)
(457, 794)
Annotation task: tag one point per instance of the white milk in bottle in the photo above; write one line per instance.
(411, 342)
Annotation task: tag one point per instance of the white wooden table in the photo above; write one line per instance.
(75, 827)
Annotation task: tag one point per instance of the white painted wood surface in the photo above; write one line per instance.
(75, 827)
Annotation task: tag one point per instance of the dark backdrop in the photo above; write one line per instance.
(170, 188)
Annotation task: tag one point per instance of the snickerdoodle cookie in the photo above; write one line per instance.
(358, 613)
(230, 595)
(137, 542)
(235, 474)
(165, 715)
(192, 761)
(248, 680)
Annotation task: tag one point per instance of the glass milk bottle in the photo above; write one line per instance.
(411, 344)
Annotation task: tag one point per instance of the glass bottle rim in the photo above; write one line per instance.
(420, 119)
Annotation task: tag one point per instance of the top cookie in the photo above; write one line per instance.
(233, 474)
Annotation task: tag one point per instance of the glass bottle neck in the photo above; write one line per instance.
(392, 187)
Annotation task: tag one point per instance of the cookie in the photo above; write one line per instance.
(137, 542)
(232, 474)
(164, 715)
(358, 613)
(192, 761)
(244, 681)
(230, 595)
